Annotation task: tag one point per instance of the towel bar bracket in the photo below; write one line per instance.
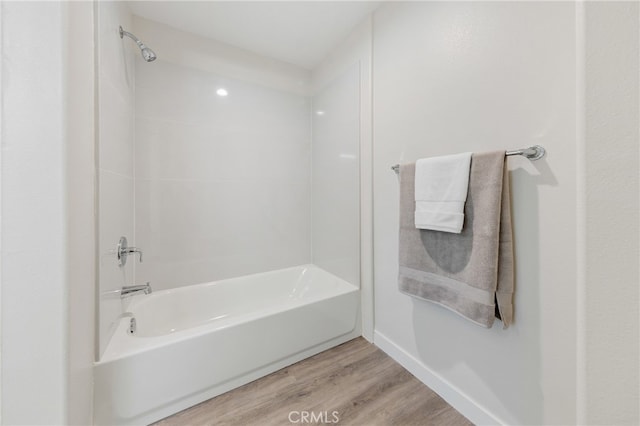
(533, 153)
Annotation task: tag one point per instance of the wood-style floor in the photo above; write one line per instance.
(352, 384)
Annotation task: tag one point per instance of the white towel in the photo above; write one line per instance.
(441, 185)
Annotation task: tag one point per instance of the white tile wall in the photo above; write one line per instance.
(116, 129)
(115, 157)
(336, 170)
(222, 183)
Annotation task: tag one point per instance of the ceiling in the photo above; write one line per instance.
(298, 32)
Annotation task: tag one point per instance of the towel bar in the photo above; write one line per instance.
(533, 153)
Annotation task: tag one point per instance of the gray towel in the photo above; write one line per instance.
(468, 272)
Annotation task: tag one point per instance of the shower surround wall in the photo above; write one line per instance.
(335, 187)
(115, 158)
(222, 182)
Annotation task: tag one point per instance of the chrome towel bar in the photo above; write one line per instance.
(533, 153)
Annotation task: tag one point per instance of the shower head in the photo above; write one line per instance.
(147, 54)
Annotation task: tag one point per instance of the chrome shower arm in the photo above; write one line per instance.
(131, 36)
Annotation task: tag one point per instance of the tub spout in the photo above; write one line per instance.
(131, 290)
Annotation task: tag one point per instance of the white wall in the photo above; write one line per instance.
(222, 183)
(609, 320)
(80, 182)
(47, 227)
(33, 272)
(479, 76)
(335, 171)
(116, 111)
(34, 286)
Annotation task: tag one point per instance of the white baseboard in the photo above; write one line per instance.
(454, 396)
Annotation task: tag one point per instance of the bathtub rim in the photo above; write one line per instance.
(142, 344)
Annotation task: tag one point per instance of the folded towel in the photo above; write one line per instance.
(468, 272)
(440, 192)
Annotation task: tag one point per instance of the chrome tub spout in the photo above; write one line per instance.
(132, 290)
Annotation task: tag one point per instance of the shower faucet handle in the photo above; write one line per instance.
(123, 250)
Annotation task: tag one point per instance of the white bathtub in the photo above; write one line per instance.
(196, 342)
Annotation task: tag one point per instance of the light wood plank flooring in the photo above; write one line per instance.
(356, 380)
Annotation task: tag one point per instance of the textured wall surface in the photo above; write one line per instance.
(612, 152)
(34, 285)
(481, 76)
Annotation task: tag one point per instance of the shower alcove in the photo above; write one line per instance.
(227, 165)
